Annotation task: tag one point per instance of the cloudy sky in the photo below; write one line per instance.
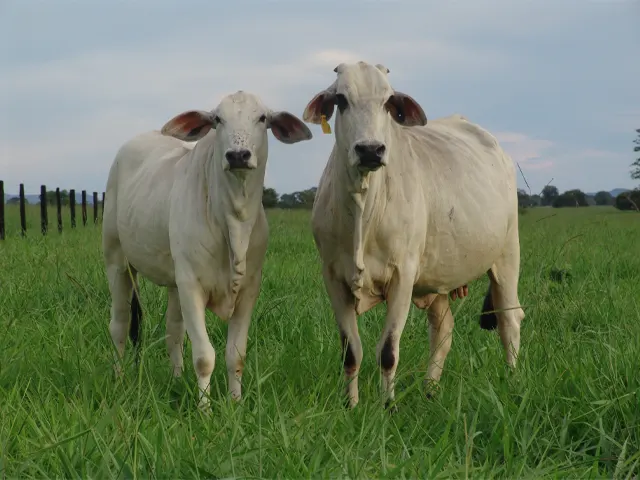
(557, 81)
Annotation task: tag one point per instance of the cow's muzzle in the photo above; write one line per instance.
(239, 159)
(370, 155)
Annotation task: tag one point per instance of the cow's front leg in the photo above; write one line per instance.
(192, 303)
(344, 310)
(237, 335)
(388, 350)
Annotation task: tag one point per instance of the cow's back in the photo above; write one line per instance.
(461, 159)
(470, 198)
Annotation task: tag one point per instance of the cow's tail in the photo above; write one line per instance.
(136, 322)
(488, 318)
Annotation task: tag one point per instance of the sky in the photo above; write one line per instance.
(556, 81)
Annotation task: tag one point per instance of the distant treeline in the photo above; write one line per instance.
(302, 199)
(551, 197)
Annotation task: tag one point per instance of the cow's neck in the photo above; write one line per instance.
(235, 202)
(364, 193)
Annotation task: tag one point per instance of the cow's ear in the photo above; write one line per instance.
(323, 103)
(405, 110)
(189, 126)
(288, 128)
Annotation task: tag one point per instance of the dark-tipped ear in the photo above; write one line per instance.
(405, 110)
(322, 104)
(189, 126)
(288, 128)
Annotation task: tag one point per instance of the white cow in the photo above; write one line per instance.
(191, 219)
(407, 211)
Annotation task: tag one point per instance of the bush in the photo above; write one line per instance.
(603, 198)
(570, 198)
(626, 200)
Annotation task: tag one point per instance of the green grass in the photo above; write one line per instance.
(571, 410)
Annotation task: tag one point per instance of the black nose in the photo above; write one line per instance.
(238, 159)
(370, 154)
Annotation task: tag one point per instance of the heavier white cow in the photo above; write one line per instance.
(407, 211)
(191, 219)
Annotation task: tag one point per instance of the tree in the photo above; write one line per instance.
(303, 199)
(287, 200)
(635, 166)
(571, 198)
(51, 197)
(269, 197)
(628, 200)
(603, 198)
(549, 194)
(306, 197)
(524, 200)
(536, 200)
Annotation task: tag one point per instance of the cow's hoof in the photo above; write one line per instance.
(204, 407)
(432, 388)
(391, 407)
(349, 404)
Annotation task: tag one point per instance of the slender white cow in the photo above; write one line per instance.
(407, 212)
(191, 219)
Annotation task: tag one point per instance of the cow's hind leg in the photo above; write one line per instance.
(503, 298)
(344, 309)
(120, 287)
(175, 331)
(440, 336)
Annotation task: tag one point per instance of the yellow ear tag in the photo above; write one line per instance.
(326, 128)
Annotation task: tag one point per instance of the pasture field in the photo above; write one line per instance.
(571, 410)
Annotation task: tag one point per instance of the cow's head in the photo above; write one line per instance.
(367, 104)
(241, 121)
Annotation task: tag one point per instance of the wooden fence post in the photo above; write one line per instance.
(1, 210)
(84, 208)
(72, 207)
(23, 214)
(102, 214)
(44, 221)
(95, 208)
(59, 209)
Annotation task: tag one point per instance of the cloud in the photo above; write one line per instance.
(74, 91)
(626, 122)
(330, 58)
(95, 100)
(104, 128)
(528, 152)
(596, 153)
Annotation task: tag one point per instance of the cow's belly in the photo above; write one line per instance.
(443, 266)
(445, 277)
(447, 264)
(149, 253)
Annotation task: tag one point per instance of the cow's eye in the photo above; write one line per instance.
(217, 120)
(262, 119)
(342, 102)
